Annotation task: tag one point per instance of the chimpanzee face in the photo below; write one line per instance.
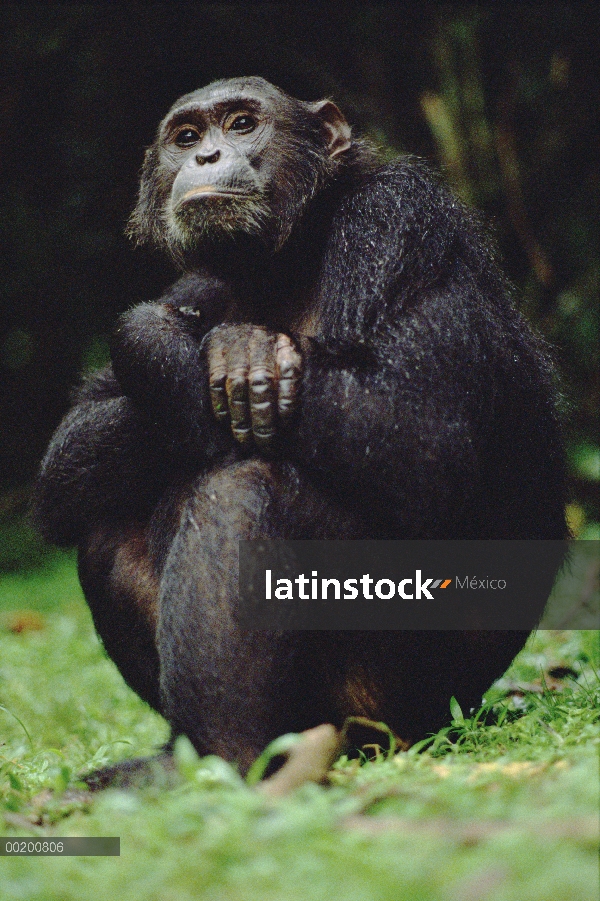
(238, 157)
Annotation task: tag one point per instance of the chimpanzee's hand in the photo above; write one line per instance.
(254, 379)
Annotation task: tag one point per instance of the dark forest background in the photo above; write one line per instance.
(503, 98)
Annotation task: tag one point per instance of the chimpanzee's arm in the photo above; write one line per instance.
(100, 465)
(109, 460)
(451, 383)
(158, 360)
(398, 431)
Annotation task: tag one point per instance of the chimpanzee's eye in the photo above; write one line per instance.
(240, 122)
(186, 137)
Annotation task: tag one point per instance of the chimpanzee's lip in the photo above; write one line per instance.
(212, 190)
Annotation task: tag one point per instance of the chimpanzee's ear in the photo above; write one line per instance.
(335, 124)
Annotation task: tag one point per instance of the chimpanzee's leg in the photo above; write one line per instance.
(233, 691)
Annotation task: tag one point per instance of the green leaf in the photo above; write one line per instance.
(455, 710)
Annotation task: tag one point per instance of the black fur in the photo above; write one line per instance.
(427, 411)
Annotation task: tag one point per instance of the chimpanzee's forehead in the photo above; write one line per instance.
(251, 88)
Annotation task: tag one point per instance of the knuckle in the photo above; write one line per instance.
(217, 381)
(261, 382)
(237, 382)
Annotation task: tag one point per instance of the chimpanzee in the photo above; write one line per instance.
(340, 359)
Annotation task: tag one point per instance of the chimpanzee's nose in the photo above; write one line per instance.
(202, 158)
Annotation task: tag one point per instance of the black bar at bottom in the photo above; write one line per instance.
(73, 846)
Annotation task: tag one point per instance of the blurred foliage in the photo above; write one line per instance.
(502, 97)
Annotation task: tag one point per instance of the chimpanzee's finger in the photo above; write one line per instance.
(217, 375)
(236, 386)
(289, 375)
(261, 387)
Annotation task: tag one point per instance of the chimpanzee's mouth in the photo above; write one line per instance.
(212, 190)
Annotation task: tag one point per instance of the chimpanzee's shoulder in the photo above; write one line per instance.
(404, 175)
(400, 190)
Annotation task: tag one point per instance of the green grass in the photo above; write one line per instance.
(500, 806)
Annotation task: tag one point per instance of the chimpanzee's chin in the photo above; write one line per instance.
(231, 251)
